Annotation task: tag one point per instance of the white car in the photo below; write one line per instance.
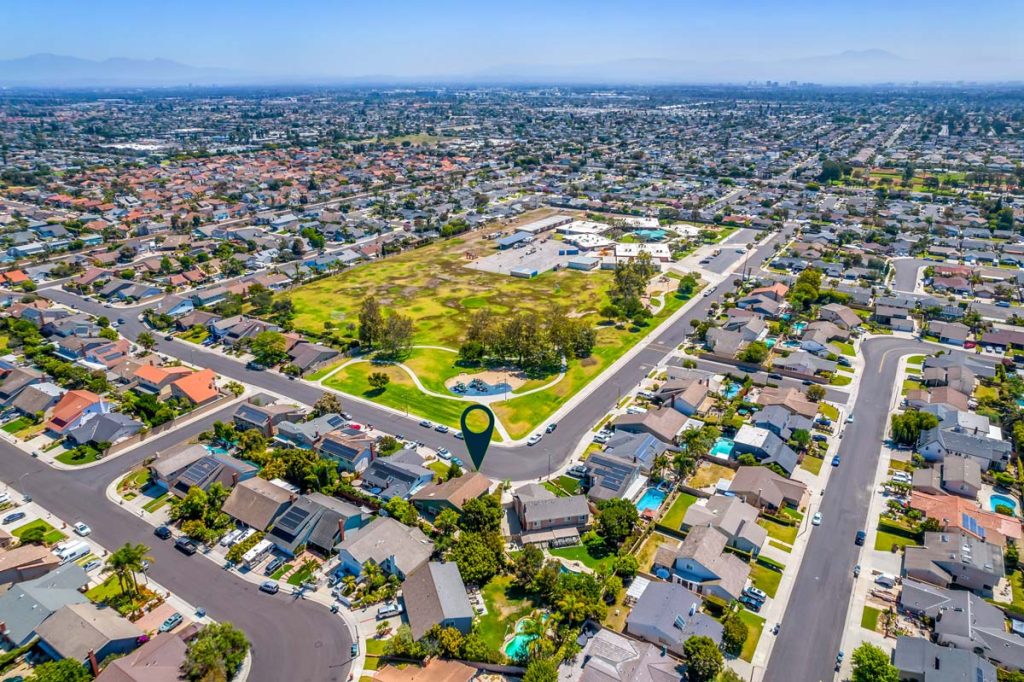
(816, 519)
(5, 498)
(443, 453)
(534, 439)
(82, 529)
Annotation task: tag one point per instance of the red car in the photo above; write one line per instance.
(969, 344)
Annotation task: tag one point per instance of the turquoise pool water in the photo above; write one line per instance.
(1002, 500)
(770, 341)
(722, 448)
(215, 450)
(518, 648)
(799, 326)
(731, 391)
(651, 499)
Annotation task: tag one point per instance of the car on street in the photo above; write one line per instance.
(839, 661)
(849, 419)
(347, 417)
(551, 428)
(458, 435)
(162, 532)
(269, 586)
(186, 546)
(856, 571)
(816, 519)
(172, 621)
(11, 518)
(457, 461)
(756, 593)
(835, 461)
(354, 649)
(777, 377)
(81, 529)
(534, 439)
(860, 538)
(254, 366)
(441, 428)
(427, 424)
(168, 337)
(1002, 304)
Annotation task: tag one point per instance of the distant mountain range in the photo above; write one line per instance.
(849, 67)
(54, 70)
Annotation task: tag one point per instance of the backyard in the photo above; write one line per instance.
(434, 287)
(674, 516)
(593, 555)
(505, 605)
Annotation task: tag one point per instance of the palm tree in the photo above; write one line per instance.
(124, 563)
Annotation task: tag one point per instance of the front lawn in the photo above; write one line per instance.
(83, 454)
(894, 537)
(52, 534)
(765, 578)
(840, 379)
(812, 464)
(915, 360)
(829, 410)
(755, 624)
(673, 518)
(157, 503)
(279, 573)
(18, 424)
(505, 604)
(778, 531)
(845, 348)
(196, 334)
(869, 619)
(302, 575)
(779, 545)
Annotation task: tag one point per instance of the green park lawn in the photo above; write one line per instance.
(434, 287)
(52, 534)
(505, 605)
(674, 516)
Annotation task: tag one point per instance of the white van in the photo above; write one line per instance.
(231, 538)
(74, 552)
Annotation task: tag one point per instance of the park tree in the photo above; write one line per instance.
(703, 659)
(615, 520)
(216, 652)
(268, 348)
(687, 285)
(378, 380)
(371, 322)
(871, 664)
(396, 335)
(328, 403)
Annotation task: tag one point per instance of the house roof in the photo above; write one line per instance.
(256, 502)
(385, 538)
(69, 408)
(199, 386)
(158, 660)
(434, 593)
(930, 662)
(76, 629)
(955, 512)
(28, 604)
(674, 613)
(455, 492)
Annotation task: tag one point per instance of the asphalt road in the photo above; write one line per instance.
(815, 619)
(292, 639)
(907, 270)
(295, 641)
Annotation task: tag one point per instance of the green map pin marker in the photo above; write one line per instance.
(477, 441)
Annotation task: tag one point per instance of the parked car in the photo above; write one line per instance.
(5, 498)
(269, 586)
(839, 661)
(849, 419)
(443, 453)
(551, 428)
(275, 563)
(231, 538)
(11, 518)
(534, 439)
(186, 546)
(347, 417)
(162, 532)
(756, 593)
(92, 565)
(354, 649)
(835, 461)
(81, 529)
(457, 461)
(816, 519)
(577, 470)
(752, 604)
(861, 537)
(254, 366)
(441, 428)
(820, 438)
(427, 424)
(856, 571)
(388, 610)
(777, 377)
(172, 621)
(458, 434)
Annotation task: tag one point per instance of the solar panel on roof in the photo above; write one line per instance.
(293, 518)
(972, 526)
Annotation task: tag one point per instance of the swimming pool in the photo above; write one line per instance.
(996, 500)
(731, 390)
(722, 448)
(799, 326)
(215, 450)
(651, 499)
(518, 648)
(770, 341)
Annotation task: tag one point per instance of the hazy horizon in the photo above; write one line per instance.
(652, 41)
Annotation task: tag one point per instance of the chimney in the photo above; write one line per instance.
(3, 629)
(234, 478)
(292, 498)
(93, 663)
(341, 529)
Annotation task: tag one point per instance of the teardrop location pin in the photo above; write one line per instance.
(477, 441)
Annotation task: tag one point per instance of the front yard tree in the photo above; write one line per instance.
(378, 380)
(907, 427)
(371, 322)
(755, 352)
(268, 348)
(615, 520)
(146, 340)
(734, 634)
(871, 664)
(815, 392)
(328, 403)
(703, 659)
(64, 670)
(481, 515)
(216, 653)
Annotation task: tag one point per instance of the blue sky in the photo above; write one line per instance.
(445, 37)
